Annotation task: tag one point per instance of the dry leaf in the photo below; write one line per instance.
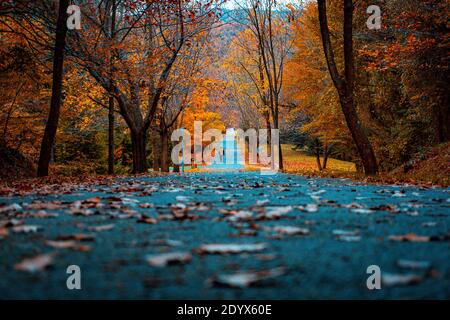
(349, 238)
(246, 279)
(105, 227)
(411, 237)
(26, 229)
(147, 220)
(3, 233)
(230, 248)
(391, 280)
(290, 230)
(409, 264)
(10, 208)
(362, 211)
(345, 232)
(77, 237)
(35, 264)
(44, 206)
(162, 260)
(68, 244)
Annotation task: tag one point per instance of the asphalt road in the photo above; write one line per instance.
(296, 238)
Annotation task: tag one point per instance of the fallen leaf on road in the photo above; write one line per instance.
(93, 200)
(10, 208)
(147, 220)
(77, 237)
(42, 215)
(26, 229)
(409, 238)
(3, 233)
(273, 213)
(348, 238)
(68, 244)
(10, 223)
(262, 202)
(311, 208)
(246, 279)
(241, 215)
(146, 205)
(409, 264)
(230, 248)
(183, 199)
(244, 233)
(82, 212)
(105, 227)
(386, 207)
(345, 232)
(44, 206)
(36, 264)
(362, 211)
(290, 230)
(391, 280)
(353, 205)
(165, 259)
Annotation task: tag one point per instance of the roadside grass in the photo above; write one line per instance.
(296, 161)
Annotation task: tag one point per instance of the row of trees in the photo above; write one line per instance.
(135, 58)
(375, 97)
(142, 68)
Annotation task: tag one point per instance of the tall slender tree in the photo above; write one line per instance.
(55, 103)
(113, 11)
(345, 84)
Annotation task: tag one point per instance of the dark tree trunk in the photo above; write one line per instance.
(165, 151)
(111, 136)
(58, 69)
(155, 151)
(138, 141)
(319, 165)
(345, 85)
(442, 120)
(111, 98)
(269, 133)
(326, 154)
(280, 151)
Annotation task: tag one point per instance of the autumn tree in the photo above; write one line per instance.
(178, 93)
(149, 38)
(267, 22)
(317, 116)
(403, 78)
(55, 104)
(345, 84)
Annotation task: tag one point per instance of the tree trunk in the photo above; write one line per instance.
(326, 154)
(111, 97)
(269, 133)
(442, 121)
(345, 85)
(111, 136)
(280, 151)
(165, 151)
(58, 69)
(155, 151)
(138, 141)
(319, 165)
